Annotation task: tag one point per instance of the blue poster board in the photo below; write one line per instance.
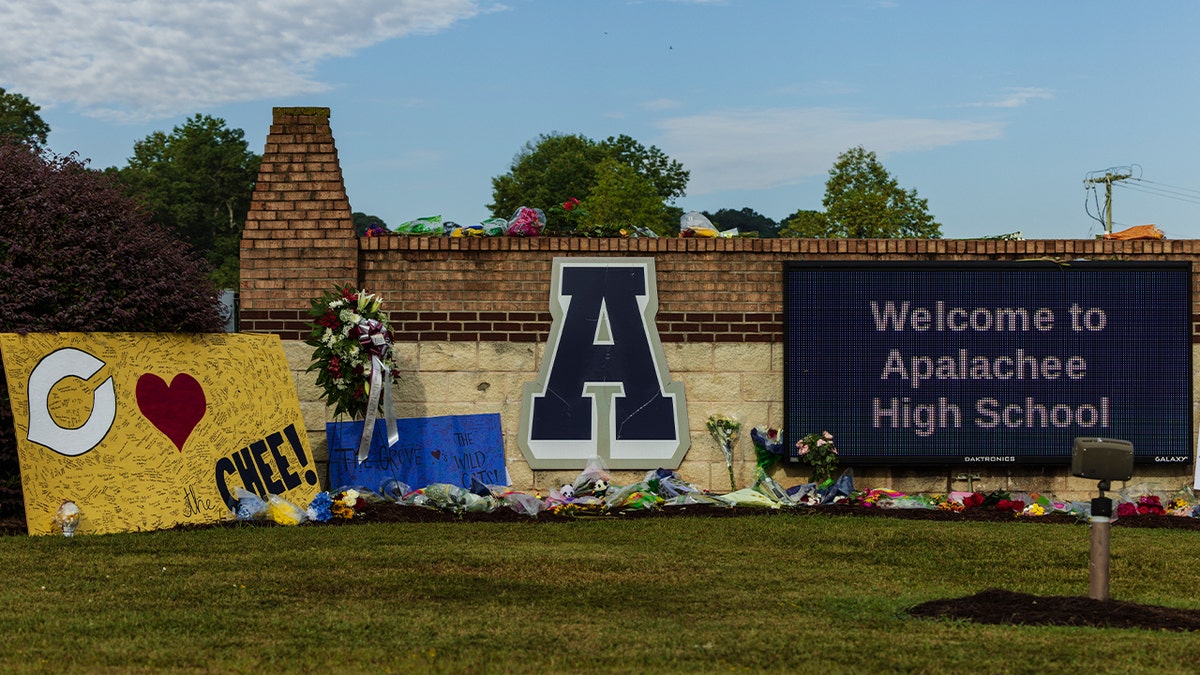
(452, 449)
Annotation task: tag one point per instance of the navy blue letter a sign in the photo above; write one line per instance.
(603, 388)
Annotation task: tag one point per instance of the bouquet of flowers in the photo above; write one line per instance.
(349, 332)
(725, 432)
(1014, 505)
(819, 452)
(526, 222)
(566, 217)
(284, 512)
(1146, 505)
(347, 503)
(593, 481)
(768, 447)
(320, 509)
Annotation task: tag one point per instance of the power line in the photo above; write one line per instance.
(1185, 199)
(1165, 186)
(1192, 197)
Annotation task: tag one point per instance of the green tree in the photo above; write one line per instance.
(19, 117)
(805, 224)
(746, 220)
(622, 199)
(863, 201)
(197, 181)
(555, 168)
(668, 176)
(545, 173)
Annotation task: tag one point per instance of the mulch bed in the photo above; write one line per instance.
(993, 606)
(398, 513)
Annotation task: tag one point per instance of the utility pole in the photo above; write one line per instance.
(1108, 177)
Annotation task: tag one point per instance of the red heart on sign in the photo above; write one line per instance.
(174, 410)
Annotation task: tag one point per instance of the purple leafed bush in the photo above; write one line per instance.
(76, 255)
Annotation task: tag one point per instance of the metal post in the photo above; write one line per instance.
(1108, 206)
(1098, 564)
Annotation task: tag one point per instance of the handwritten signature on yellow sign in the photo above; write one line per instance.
(145, 431)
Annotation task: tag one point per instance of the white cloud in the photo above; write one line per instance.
(762, 149)
(1016, 97)
(141, 60)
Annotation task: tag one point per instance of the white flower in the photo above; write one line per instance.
(367, 303)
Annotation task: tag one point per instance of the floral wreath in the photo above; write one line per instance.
(348, 331)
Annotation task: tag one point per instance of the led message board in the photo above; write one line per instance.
(988, 362)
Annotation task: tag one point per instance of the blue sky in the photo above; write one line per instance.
(994, 111)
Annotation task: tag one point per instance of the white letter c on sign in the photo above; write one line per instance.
(43, 430)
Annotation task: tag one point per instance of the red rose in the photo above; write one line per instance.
(1010, 505)
(570, 203)
(973, 500)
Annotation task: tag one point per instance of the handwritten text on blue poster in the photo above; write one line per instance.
(452, 449)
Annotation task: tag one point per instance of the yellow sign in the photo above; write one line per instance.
(148, 431)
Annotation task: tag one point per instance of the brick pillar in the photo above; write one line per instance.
(299, 237)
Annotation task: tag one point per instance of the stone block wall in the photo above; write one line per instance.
(471, 316)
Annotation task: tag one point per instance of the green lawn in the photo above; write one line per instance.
(781, 593)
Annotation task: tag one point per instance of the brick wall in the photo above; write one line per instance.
(710, 290)
(299, 236)
(471, 315)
